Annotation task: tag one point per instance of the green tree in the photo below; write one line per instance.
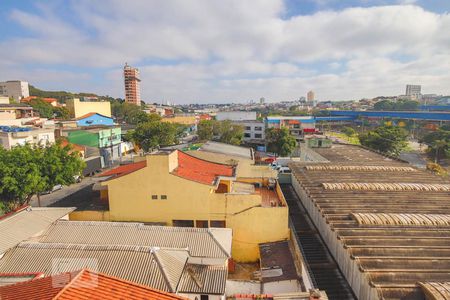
(61, 113)
(205, 129)
(280, 141)
(348, 131)
(438, 143)
(384, 105)
(27, 170)
(398, 105)
(150, 135)
(44, 109)
(388, 139)
(230, 133)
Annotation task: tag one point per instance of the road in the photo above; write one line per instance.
(46, 200)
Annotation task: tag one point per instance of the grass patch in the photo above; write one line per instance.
(354, 140)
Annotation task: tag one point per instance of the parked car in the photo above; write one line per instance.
(270, 160)
(284, 170)
(55, 188)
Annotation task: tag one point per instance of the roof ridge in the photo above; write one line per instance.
(66, 286)
(161, 268)
(219, 244)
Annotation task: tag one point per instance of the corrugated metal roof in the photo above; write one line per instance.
(134, 263)
(203, 279)
(359, 168)
(200, 242)
(384, 186)
(392, 219)
(436, 290)
(28, 222)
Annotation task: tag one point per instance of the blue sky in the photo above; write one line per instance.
(207, 51)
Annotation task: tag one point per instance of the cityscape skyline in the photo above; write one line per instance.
(211, 53)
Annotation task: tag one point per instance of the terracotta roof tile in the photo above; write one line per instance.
(82, 284)
(89, 115)
(200, 170)
(125, 169)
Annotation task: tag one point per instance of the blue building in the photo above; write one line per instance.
(94, 119)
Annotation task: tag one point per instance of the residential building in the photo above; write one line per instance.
(384, 222)
(310, 97)
(413, 91)
(79, 108)
(236, 115)
(106, 140)
(185, 119)
(27, 222)
(190, 262)
(179, 189)
(163, 111)
(94, 119)
(15, 114)
(52, 101)
(254, 131)
(132, 85)
(82, 285)
(15, 89)
(298, 126)
(4, 100)
(13, 136)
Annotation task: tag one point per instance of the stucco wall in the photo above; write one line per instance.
(79, 108)
(89, 215)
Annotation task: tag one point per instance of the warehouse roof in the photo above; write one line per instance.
(227, 149)
(200, 242)
(83, 284)
(387, 227)
(27, 222)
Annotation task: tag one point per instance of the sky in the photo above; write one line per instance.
(216, 51)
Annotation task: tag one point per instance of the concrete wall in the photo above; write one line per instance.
(39, 137)
(89, 215)
(79, 108)
(16, 89)
(186, 120)
(243, 287)
(279, 287)
(236, 115)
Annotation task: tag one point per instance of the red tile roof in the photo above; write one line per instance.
(125, 169)
(75, 147)
(200, 170)
(89, 115)
(83, 284)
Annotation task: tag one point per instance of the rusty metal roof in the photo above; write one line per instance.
(436, 290)
(388, 230)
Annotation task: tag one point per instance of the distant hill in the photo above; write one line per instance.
(62, 96)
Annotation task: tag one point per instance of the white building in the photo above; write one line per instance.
(236, 115)
(413, 91)
(10, 137)
(254, 131)
(14, 88)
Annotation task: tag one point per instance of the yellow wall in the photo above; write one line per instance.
(89, 215)
(130, 199)
(186, 120)
(79, 108)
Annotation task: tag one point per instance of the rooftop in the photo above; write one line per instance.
(84, 284)
(90, 115)
(277, 262)
(381, 218)
(124, 169)
(228, 149)
(27, 222)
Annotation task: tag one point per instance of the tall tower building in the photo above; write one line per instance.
(132, 85)
(414, 91)
(310, 96)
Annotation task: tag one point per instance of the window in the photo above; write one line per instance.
(258, 128)
(201, 223)
(248, 128)
(247, 135)
(258, 135)
(154, 197)
(183, 223)
(204, 297)
(163, 197)
(217, 224)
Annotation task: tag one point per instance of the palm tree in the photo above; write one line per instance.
(438, 145)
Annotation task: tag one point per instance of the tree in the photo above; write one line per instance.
(388, 139)
(44, 109)
(398, 105)
(150, 135)
(438, 143)
(205, 129)
(230, 133)
(61, 113)
(348, 131)
(28, 170)
(280, 141)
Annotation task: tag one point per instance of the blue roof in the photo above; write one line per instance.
(419, 115)
(14, 129)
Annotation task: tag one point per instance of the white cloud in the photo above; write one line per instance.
(211, 50)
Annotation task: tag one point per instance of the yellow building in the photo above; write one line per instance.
(79, 108)
(178, 189)
(181, 119)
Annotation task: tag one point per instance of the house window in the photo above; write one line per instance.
(163, 197)
(204, 297)
(247, 135)
(258, 135)
(154, 197)
(201, 223)
(248, 128)
(258, 128)
(217, 224)
(183, 223)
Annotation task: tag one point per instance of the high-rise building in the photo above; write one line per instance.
(15, 89)
(413, 91)
(132, 85)
(310, 96)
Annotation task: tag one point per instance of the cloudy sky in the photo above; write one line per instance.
(205, 51)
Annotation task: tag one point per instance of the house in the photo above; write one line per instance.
(79, 108)
(190, 262)
(52, 101)
(179, 189)
(318, 141)
(298, 126)
(27, 222)
(13, 136)
(83, 284)
(94, 119)
(15, 114)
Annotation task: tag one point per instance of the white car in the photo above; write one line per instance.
(284, 170)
